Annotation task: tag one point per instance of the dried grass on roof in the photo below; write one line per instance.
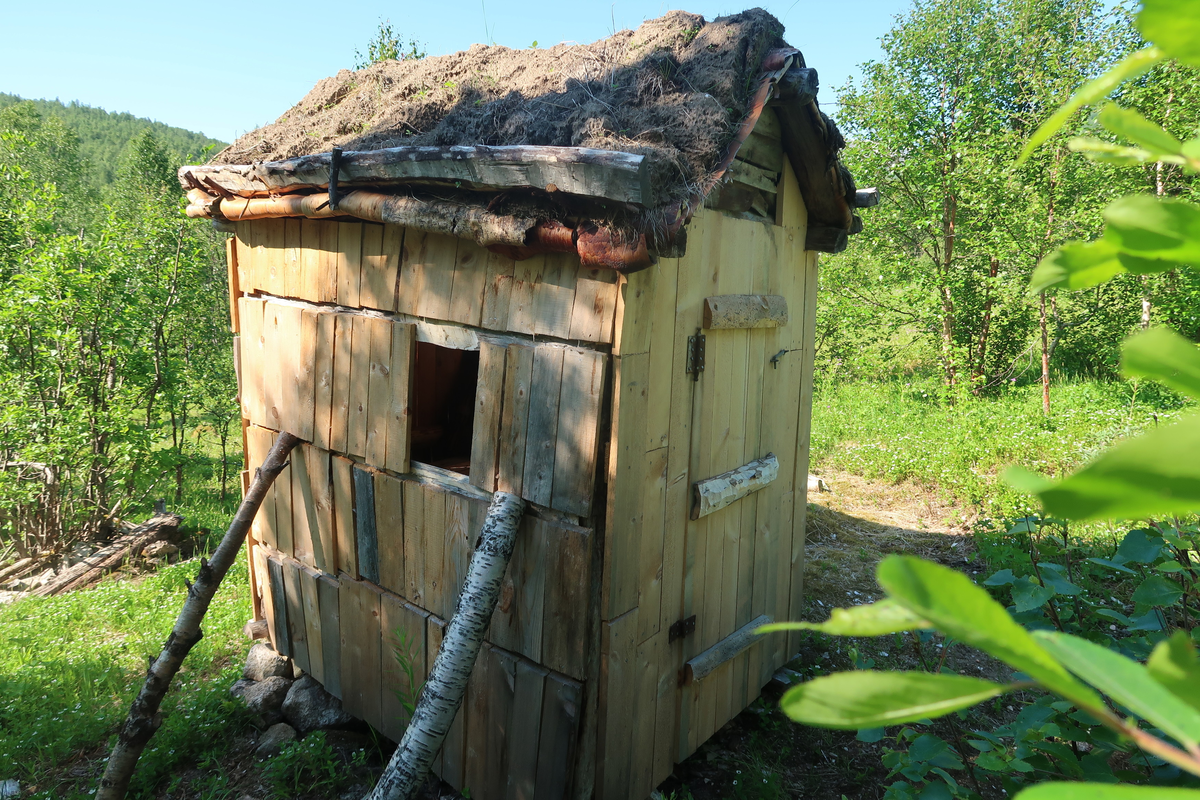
(674, 90)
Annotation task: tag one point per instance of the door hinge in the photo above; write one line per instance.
(695, 355)
(682, 628)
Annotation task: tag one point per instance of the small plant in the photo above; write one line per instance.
(759, 777)
(406, 654)
(305, 766)
(388, 46)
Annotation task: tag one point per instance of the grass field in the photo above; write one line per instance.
(71, 665)
(906, 431)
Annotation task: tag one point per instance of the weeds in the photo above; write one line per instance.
(406, 652)
(905, 431)
(309, 765)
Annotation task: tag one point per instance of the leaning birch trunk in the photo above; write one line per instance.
(144, 718)
(447, 682)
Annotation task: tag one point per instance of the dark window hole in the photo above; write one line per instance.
(444, 406)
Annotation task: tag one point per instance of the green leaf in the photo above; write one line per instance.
(1130, 67)
(869, 699)
(1175, 665)
(872, 619)
(959, 608)
(1139, 546)
(1028, 595)
(991, 762)
(1127, 682)
(1053, 790)
(1109, 613)
(1026, 480)
(1152, 475)
(1081, 265)
(936, 791)
(870, 735)
(1139, 130)
(1109, 152)
(1117, 565)
(1157, 592)
(1191, 150)
(1154, 228)
(1054, 576)
(1164, 356)
(1150, 621)
(1002, 578)
(1173, 25)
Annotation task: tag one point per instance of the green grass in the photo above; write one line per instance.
(71, 665)
(906, 431)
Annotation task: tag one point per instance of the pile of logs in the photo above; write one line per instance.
(18, 569)
(161, 526)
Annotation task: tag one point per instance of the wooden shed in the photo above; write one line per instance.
(642, 379)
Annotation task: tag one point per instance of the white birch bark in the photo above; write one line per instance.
(447, 681)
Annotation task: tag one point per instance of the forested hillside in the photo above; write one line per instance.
(117, 373)
(104, 135)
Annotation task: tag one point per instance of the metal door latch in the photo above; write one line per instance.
(695, 355)
(682, 628)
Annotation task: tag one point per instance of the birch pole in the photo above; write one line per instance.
(144, 718)
(447, 682)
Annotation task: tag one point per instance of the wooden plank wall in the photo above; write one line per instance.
(345, 381)
(669, 430)
(388, 268)
(356, 558)
(419, 536)
(517, 733)
(526, 692)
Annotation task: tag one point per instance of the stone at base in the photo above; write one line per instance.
(265, 699)
(309, 707)
(273, 740)
(239, 687)
(262, 662)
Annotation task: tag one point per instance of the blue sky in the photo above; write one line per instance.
(231, 72)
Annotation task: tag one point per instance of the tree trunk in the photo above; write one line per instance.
(447, 682)
(1045, 356)
(144, 717)
(993, 269)
(1053, 196)
(949, 213)
(1160, 189)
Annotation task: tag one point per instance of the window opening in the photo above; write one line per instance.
(444, 406)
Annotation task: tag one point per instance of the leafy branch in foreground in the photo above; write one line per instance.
(1155, 706)
(1155, 474)
(922, 594)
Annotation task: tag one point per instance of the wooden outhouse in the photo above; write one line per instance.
(645, 390)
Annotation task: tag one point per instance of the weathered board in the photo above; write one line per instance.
(745, 311)
(386, 268)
